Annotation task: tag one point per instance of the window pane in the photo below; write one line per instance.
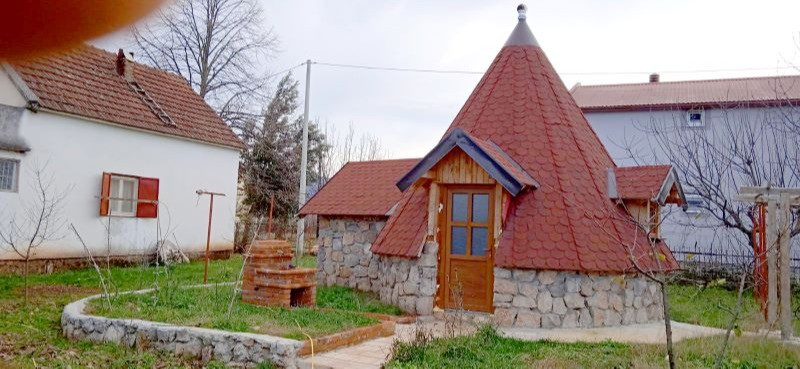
(479, 241)
(459, 205)
(7, 169)
(458, 241)
(127, 189)
(480, 208)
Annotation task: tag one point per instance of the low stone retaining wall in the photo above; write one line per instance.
(344, 259)
(550, 299)
(244, 349)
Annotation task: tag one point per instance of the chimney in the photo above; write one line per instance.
(124, 66)
(654, 78)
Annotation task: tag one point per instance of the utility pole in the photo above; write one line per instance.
(301, 224)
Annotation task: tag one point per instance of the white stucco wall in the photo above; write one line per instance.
(76, 152)
(621, 131)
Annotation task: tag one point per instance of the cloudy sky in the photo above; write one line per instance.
(590, 42)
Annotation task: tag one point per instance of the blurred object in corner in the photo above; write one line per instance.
(35, 27)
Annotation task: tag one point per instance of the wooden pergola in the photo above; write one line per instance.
(772, 235)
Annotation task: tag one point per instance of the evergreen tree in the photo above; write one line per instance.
(271, 164)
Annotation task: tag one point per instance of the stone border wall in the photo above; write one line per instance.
(234, 348)
(550, 299)
(344, 259)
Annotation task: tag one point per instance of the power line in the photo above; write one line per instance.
(286, 70)
(445, 71)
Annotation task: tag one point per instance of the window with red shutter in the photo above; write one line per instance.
(148, 198)
(128, 196)
(105, 189)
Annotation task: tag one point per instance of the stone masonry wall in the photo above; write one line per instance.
(344, 259)
(234, 348)
(550, 299)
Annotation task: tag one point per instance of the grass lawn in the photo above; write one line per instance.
(691, 304)
(208, 308)
(30, 336)
(486, 349)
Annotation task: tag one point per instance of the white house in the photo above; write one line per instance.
(128, 146)
(624, 116)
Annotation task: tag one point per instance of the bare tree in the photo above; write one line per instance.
(348, 146)
(35, 222)
(216, 46)
(742, 146)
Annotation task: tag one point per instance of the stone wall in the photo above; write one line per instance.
(550, 299)
(236, 349)
(344, 259)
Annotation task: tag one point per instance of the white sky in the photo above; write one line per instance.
(410, 111)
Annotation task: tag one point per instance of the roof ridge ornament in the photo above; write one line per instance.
(522, 10)
(522, 35)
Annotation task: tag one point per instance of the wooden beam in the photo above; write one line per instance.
(784, 279)
(772, 264)
(498, 212)
(433, 208)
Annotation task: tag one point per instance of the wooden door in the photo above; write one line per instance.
(468, 253)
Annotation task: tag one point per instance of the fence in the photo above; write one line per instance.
(723, 261)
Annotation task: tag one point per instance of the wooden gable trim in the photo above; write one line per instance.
(459, 138)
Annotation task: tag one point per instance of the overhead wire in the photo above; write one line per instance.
(447, 71)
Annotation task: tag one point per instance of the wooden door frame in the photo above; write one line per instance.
(445, 194)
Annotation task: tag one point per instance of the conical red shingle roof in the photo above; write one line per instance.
(569, 222)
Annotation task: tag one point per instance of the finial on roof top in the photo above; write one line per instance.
(521, 35)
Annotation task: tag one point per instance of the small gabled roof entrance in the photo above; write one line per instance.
(487, 154)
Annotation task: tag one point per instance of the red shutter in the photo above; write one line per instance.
(148, 198)
(105, 189)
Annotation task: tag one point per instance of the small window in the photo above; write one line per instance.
(695, 118)
(123, 196)
(9, 175)
(694, 204)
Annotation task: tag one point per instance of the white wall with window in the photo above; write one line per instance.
(147, 183)
(9, 174)
(626, 135)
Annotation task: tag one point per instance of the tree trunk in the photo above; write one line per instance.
(667, 325)
(27, 261)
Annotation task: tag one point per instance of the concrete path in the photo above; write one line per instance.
(651, 333)
(373, 354)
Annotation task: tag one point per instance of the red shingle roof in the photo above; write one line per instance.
(643, 182)
(404, 233)
(84, 82)
(762, 91)
(361, 188)
(569, 222)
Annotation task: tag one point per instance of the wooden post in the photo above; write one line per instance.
(784, 290)
(433, 208)
(772, 264)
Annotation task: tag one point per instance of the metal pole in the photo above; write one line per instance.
(208, 239)
(303, 164)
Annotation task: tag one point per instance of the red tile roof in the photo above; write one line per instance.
(643, 182)
(717, 93)
(505, 161)
(404, 233)
(361, 188)
(569, 222)
(84, 82)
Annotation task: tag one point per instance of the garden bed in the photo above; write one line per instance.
(342, 310)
